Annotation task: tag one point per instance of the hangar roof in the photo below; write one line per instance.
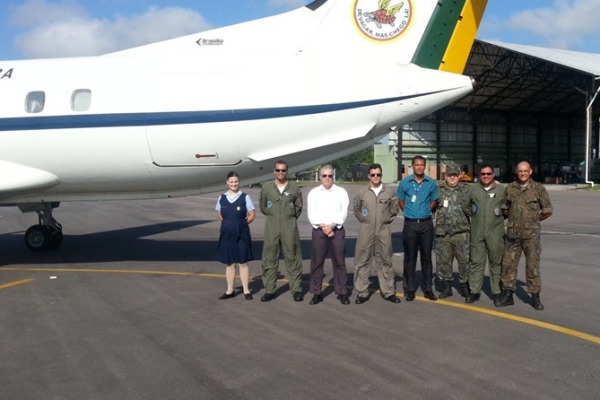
(585, 62)
(518, 78)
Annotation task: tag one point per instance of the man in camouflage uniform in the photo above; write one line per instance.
(483, 206)
(452, 232)
(281, 202)
(375, 207)
(527, 203)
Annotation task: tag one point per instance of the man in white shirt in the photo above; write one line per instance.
(327, 212)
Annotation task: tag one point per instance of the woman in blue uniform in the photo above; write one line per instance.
(235, 210)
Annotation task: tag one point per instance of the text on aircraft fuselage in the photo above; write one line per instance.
(7, 74)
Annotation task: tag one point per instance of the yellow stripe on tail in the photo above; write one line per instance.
(457, 53)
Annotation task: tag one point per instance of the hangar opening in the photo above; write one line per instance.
(529, 104)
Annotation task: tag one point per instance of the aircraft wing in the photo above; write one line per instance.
(17, 178)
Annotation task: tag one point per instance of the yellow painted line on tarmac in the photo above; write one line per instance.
(116, 271)
(15, 283)
(524, 320)
(481, 310)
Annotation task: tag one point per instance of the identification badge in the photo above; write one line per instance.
(445, 203)
(413, 198)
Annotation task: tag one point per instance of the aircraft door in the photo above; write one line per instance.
(213, 144)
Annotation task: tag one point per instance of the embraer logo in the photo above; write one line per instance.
(210, 42)
(379, 20)
(6, 74)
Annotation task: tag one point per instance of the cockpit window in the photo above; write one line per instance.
(34, 103)
(81, 100)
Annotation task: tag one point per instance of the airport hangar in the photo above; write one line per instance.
(529, 104)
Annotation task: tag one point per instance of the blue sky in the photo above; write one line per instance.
(57, 28)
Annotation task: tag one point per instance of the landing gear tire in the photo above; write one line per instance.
(42, 238)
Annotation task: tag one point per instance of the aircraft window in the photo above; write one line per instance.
(81, 100)
(34, 103)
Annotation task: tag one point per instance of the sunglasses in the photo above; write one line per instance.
(374, 175)
(326, 176)
(280, 170)
(486, 173)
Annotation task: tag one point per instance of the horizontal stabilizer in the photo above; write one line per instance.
(19, 178)
(270, 153)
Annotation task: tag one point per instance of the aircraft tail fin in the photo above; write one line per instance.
(436, 34)
(450, 34)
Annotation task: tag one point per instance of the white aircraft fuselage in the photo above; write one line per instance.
(172, 118)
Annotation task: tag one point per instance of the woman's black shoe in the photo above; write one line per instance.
(226, 296)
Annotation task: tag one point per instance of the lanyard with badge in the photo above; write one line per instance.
(417, 188)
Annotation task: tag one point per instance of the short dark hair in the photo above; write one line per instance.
(486, 165)
(233, 174)
(375, 166)
(280, 162)
(415, 158)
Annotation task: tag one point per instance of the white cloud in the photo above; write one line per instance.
(64, 30)
(564, 24)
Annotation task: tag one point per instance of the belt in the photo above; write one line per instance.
(417, 219)
(333, 229)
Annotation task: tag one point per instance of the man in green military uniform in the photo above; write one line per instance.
(452, 232)
(483, 206)
(281, 202)
(527, 203)
(375, 207)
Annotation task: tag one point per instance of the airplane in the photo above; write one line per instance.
(172, 118)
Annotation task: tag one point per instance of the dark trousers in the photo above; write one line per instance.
(321, 244)
(417, 239)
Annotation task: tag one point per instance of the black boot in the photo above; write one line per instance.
(505, 299)
(472, 298)
(535, 301)
(463, 289)
(446, 291)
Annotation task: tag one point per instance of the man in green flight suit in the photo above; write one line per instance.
(452, 232)
(483, 206)
(375, 207)
(281, 202)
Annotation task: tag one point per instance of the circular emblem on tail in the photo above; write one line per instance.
(382, 19)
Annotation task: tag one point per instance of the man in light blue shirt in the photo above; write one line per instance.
(417, 197)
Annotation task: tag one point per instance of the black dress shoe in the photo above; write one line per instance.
(267, 297)
(317, 298)
(393, 299)
(248, 296)
(226, 296)
(343, 299)
(409, 296)
(428, 294)
(298, 296)
(472, 298)
(361, 299)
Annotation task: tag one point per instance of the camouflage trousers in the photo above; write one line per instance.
(447, 248)
(510, 261)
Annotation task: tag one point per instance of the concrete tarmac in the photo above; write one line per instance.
(127, 308)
